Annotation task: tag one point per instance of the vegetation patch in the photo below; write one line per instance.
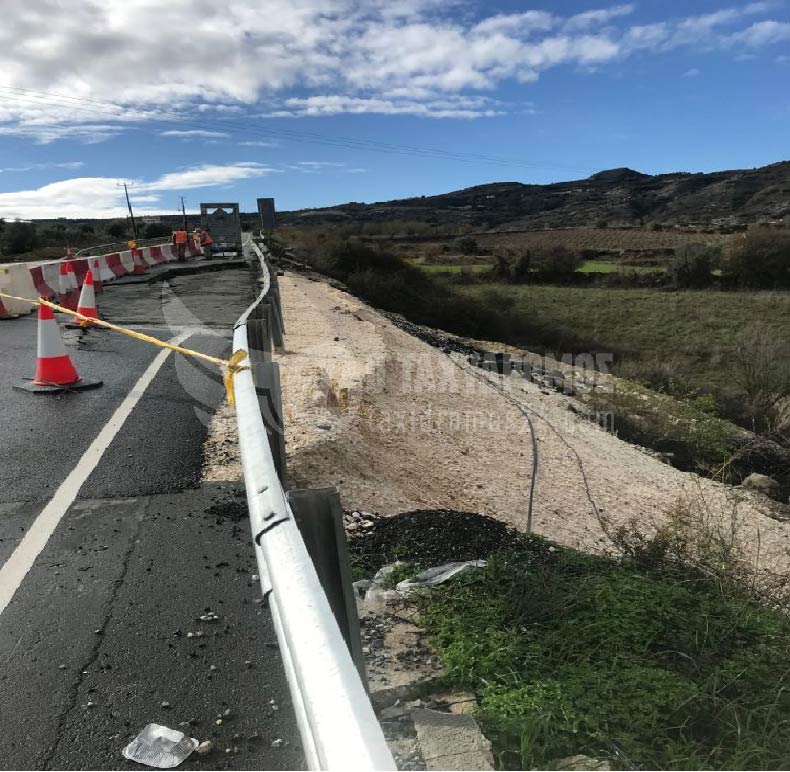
(648, 661)
(688, 430)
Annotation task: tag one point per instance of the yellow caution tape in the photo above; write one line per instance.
(231, 366)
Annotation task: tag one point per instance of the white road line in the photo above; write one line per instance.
(15, 569)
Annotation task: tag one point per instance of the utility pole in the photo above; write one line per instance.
(131, 213)
(184, 213)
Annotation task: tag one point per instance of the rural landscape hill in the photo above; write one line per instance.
(720, 200)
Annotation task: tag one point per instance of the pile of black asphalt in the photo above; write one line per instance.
(428, 537)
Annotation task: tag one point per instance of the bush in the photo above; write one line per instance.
(696, 438)
(762, 371)
(760, 258)
(156, 230)
(556, 259)
(117, 229)
(691, 265)
(467, 246)
(18, 237)
(523, 268)
(501, 270)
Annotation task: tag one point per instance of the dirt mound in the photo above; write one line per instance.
(429, 537)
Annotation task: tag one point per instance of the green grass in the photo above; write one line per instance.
(649, 667)
(684, 338)
(589, 266)
(609, 266)
(453, 268)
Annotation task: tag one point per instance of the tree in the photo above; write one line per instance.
(691, 265)
(18, 237)
(467, 246)
(501, 269)
(117, 229)
(156, 230)
(556, 259)
(523, 267)
(760, 258)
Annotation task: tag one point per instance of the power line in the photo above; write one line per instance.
(114, 111)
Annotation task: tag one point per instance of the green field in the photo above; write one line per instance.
(610, 266)
(692, 332)
(589, 266)
(453, 268)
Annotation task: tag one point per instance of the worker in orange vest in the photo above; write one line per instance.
(205, 242)
(180, 238)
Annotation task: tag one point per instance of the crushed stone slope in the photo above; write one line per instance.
(398, 425)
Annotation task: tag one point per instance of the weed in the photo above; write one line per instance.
(400, 573)
(646, 661)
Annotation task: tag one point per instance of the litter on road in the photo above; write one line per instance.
(160, 747)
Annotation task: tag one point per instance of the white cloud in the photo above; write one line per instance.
(357, 56)
(259, 143)
(193, 133)
(692, 73)
(102, 196)
(319, 167)
(763, 33)
(43, 166)
(208, 175)
(583, 21)
(335, 104)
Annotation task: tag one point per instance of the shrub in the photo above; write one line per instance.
(522, 268)
(760, 258)
(501, 270)
(695, 437)
(18, 237)
(156, 230)
(556, 259)
(467, 246)
(762, 371)
(117, 229)
(691, 265)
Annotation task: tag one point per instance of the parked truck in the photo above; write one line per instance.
(223, 222)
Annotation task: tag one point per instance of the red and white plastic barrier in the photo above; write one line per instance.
(43, 278)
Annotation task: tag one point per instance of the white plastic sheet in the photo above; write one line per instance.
(160, 747)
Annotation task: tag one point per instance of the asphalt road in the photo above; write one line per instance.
(103, 634)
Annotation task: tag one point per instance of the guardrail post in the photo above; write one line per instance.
(319, 517)
(267, 386)
(259, 334)
(276, 324)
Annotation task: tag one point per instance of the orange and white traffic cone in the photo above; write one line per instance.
(54, 369)
(98, 285)
(137, 257)
(67, 289)
(87, 304)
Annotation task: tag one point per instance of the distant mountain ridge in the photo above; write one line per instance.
(622, 196)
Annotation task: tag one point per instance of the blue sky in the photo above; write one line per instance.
(318, 102)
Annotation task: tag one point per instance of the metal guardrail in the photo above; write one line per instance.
(335, 718)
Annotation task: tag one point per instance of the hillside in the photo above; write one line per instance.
(721, 200)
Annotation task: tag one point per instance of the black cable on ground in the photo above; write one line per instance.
(523, 411)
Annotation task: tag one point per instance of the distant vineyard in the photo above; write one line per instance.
(600, 239)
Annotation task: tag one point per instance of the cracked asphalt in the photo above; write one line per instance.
(104, 634)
